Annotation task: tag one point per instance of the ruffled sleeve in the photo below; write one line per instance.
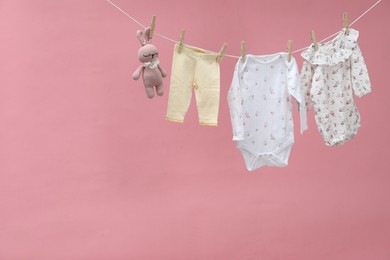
(307, 73)
(360, 80)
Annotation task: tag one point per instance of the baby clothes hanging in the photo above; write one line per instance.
(329, 78)
(194, 69)
(260, 106)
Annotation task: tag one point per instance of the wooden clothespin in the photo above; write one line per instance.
(181, 41)
(289, 49)
(313, 40)
(221, 53)
(243, 51)
(152, 25)
(346, 25)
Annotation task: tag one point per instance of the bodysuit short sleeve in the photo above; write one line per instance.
(295, 90)
(360, 80)
(236, 102)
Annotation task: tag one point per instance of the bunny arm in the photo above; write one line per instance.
(163, 72)
(138, 72)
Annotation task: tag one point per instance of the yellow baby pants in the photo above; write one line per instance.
(194, 69)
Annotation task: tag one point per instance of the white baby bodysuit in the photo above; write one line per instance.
(261, 109)
(329, 78)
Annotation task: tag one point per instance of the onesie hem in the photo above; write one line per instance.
(342, 139)
(270, 158)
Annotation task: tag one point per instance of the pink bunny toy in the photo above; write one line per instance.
(152, 73)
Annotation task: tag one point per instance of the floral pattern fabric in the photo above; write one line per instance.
(260, 103)
(330, 76)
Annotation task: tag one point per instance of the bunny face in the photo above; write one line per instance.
(148, 53)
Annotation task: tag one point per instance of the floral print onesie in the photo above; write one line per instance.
(260, 107)
(329, 78)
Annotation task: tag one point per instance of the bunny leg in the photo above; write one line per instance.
(160, 89)
(149, 92)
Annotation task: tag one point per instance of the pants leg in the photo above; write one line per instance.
(180, 91)
(207, 92)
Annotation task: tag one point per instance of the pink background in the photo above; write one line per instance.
(90, 169)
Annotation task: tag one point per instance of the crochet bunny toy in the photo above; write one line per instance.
(151, 71)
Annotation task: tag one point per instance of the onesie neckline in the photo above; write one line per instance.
(266, 59)
(334, 51)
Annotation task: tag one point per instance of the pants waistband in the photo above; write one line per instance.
(196, 52)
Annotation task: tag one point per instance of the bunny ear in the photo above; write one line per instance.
(146, 35)
(140, 37)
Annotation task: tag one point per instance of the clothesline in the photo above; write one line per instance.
(235, 56)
